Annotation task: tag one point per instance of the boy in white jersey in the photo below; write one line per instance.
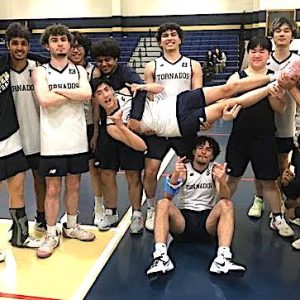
(61, 88)
(28, 113)
(283, 32)
(190, 108)
(79, 51)
(13, 163)
(176, 73)
(199, 215)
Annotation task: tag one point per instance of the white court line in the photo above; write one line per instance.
(108, 251)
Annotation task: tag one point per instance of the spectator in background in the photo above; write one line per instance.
(220, 59)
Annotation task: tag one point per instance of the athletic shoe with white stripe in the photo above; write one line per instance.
(48, 246)
(77, 232)
(161, 264)
(223, 265)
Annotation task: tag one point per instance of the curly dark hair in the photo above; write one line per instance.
(202, 139)
(55, 29)
(106, 47)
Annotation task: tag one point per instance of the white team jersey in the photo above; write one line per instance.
(284, 122)
(174, 77)
(11, 144)
(157, 115)
(198, 192)
(27, 108)
(88, 111)
(63, 128)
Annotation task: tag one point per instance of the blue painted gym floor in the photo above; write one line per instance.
(273, 268)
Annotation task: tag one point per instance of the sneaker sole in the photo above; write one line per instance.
(82, 240)
(235, 274)
(136, 232)
(277, 230)
(110, 226)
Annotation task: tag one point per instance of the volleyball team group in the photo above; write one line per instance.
(63, 116)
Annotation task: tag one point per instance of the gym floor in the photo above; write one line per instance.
(273, 267)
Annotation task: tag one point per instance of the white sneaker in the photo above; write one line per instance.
(137, 223)
(225, 265)
(150, 218)
(2, 256)
(63, 219)
(40, 226)
(295, 221)
(108, 221)
(296, 244)
(257, 207)
(161, 264)
(48, 246)
(282, 227)
(77, 232)
(98, 213)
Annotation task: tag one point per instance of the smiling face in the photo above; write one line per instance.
(283, 36)
(18, 48)
(107, 64)
(77, 54)
(170, 40)
(104, 95)
(257, 58)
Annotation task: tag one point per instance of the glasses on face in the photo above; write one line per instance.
(77, 47)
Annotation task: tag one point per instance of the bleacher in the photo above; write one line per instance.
(139, 48)
(195, 46)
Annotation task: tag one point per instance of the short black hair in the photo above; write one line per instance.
(169, 26)
(278, 22)
(16, 29)
(98, 81)
(202, 139)
(260, 41)
(106, 47)
(82, 40)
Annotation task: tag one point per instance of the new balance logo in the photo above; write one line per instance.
(52, 171)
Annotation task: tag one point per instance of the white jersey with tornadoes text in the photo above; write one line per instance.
(285, 122)
(174, 77)
(27, 108)
(88, 111)
(157, 115)
(63, 128)
(198, 192)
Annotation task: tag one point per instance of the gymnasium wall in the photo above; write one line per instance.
(138, 15)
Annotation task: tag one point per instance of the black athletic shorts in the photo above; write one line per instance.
(195, 226)
(90, 132)
(158, 146)
(62, 165)
(33, 161)
(260, 151)
(190, 111)
(114, 155)
(12, 164)
(285, 145)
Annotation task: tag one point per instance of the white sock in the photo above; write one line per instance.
(224, 251)
(161, 247)
(51, 230)
(136, 213)
(71, 220)
(98, 201)
(150, 202)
